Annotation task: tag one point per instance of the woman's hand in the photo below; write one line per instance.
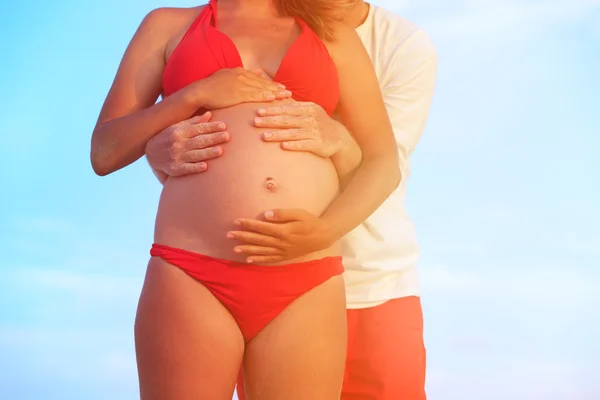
(228, 87)
(284, 235)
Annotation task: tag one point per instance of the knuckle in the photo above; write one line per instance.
(202, 142)
(196, 156)
(190, 169)
(194, 143)
(209, 128)
(211, 139)
(209, 152)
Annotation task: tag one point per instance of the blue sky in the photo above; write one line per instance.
(504, 193)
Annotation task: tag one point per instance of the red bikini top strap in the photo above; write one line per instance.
(213, 8)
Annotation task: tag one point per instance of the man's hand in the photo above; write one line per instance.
(302, 127)
(185, 147)
(285, 234)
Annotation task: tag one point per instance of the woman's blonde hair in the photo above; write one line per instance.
(320, 15)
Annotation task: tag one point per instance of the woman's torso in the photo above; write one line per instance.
(196, 211)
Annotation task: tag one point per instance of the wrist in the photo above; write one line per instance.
(330, 231)
(160, 175)
(349, 153)
(194, 96)
(343, 139)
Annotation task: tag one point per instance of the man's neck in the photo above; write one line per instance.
(357, 16)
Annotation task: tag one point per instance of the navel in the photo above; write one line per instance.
(270, 184)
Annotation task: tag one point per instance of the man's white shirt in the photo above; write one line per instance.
(380, 255)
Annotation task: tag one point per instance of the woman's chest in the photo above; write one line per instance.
(262, 45)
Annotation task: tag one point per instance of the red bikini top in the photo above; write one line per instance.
(307, 69)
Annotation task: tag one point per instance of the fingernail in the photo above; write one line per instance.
(225, 136)
(237, 250)
(267, 135)
(269, 214)
(249, 261)
(221, 126)
(216, 151)
(258, 120)
(230, 235)
(203, 166)
(262, 110)
(285, 93)
(238, 223)
(271, 97)
(281, 85)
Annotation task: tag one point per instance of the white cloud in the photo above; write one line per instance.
(588, 245)
(69, 291)
(497, 17)
(540, 287)
(80, 283)
(107, 353)
(518, 378)
(45, 225)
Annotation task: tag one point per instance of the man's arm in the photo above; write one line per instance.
(408, 89)
(349, 156)
(306, 127)
(362, 109)
(407, 92)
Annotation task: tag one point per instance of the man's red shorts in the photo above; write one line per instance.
(386, 354)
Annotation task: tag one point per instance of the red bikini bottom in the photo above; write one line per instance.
(253, 294)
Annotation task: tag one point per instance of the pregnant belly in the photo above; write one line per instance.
(196, 211)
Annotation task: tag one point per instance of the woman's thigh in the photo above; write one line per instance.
(188, 346)
(300, 355)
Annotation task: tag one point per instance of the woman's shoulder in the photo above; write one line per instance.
(163, 27)
(170, 18)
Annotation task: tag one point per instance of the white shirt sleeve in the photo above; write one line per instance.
(408, 90)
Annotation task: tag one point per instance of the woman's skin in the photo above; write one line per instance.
(188, 346)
